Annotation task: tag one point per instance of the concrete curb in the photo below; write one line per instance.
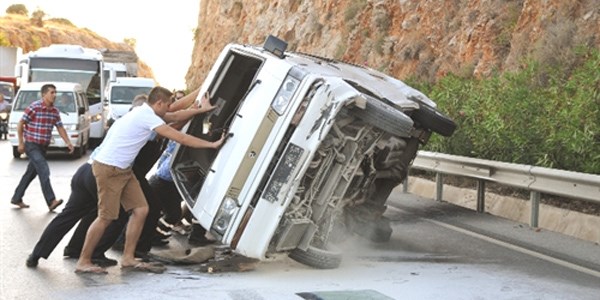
(572, 223)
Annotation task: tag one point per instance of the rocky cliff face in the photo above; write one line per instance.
(404, 38)
(18, 31)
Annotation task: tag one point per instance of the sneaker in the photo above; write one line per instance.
(182, 228)
(32, 261)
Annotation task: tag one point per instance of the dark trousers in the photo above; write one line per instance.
(144, 161)
(82, 205)
(38, 166)
(169, 198)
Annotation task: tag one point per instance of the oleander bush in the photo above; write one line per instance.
(543, 115)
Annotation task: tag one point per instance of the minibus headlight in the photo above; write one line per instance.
(226, 212)
(285, 93)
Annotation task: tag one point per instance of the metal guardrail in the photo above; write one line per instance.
(536, 180)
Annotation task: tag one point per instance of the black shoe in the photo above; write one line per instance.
(32, 261)
(143, 256)
(71, 253)
(104, 261)
(118, 246)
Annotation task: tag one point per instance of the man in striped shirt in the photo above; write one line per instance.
(35, 132)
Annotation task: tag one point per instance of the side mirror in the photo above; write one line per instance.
(81, 110)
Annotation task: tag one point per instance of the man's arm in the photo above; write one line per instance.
(185, 102)
(21, 146)
(185, 115)
(63, 134)
(182, 115)
(186, 139)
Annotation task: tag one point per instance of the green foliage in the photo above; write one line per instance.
(36, 42)
(353, 9)
(130, 41)
(4, 40)
(62, 21)
(340, 50)
(17, 9)
(378, 44)
(37, 18)
(537, 116)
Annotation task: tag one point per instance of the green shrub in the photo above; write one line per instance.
(4, 41)
(353, 9)
(37, 18)
(539, 116)
(62, 21)
(17, 9)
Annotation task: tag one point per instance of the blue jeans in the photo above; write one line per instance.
(37, 166)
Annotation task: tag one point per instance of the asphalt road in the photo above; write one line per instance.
(437, 251)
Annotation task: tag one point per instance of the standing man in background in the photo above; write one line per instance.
(35, 133)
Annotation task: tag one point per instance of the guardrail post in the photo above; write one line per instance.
(480, 196)
(534, 198)
(439, 186)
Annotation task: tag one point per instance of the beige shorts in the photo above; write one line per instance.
(116, 186)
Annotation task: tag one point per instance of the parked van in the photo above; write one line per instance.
(73, 105)
(121, 91)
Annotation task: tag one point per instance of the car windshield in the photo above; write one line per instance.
(125, 94)
(65, 102)
(25, 98)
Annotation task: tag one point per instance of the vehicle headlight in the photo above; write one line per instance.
(224, 215)
(70, 127)
(285, 93)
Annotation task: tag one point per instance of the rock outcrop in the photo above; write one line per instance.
(18, 31)
(404, 38)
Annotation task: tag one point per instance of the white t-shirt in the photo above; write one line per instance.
(127, 136)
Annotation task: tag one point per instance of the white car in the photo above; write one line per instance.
(315, 147)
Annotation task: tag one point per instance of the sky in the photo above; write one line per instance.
(163, 30)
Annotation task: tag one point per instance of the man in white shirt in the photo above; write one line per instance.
(117, 185)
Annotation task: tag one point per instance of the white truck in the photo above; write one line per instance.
(120, 92)
(8, 63)
(8, 60)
